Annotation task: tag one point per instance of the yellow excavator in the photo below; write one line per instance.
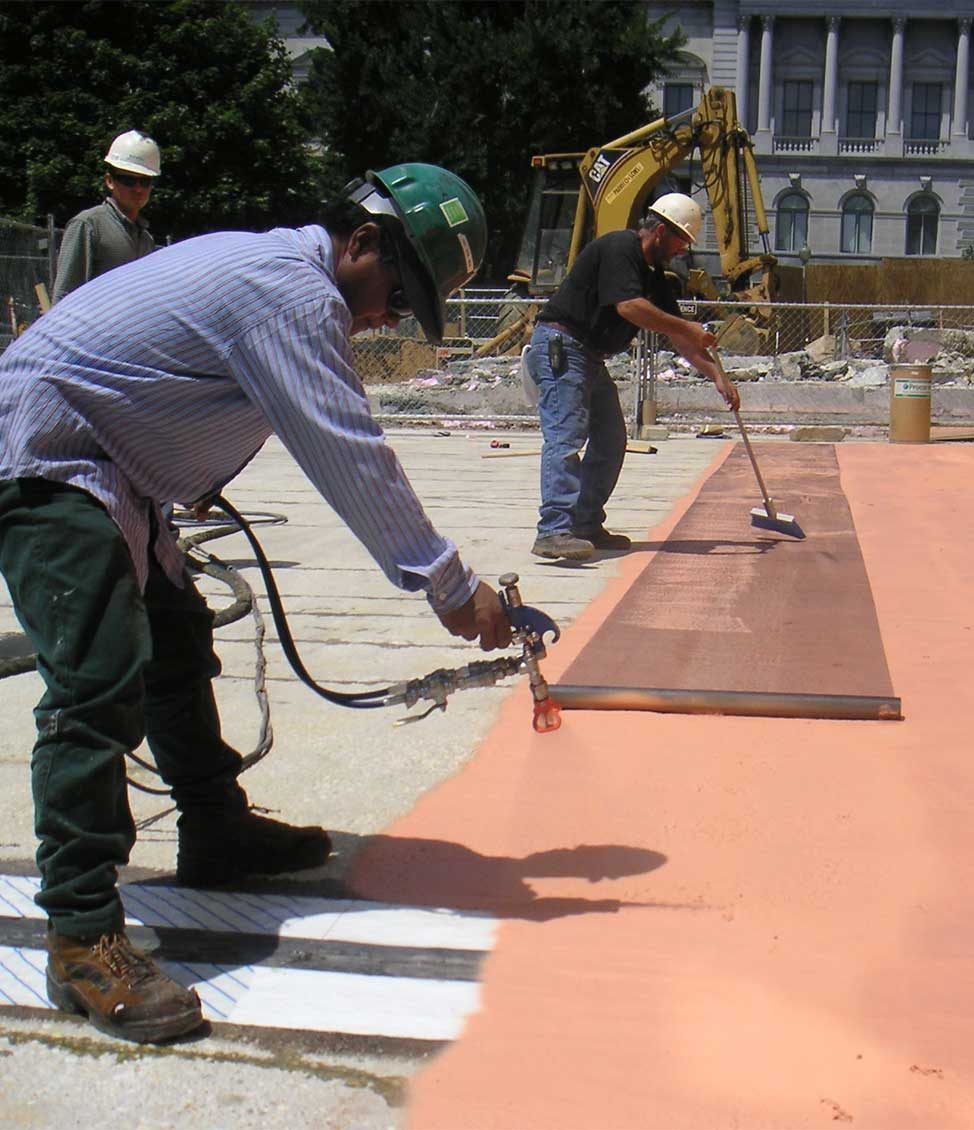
(578, 197)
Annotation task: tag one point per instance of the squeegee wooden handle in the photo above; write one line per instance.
(768, 504)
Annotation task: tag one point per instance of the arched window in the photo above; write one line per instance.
(922, 222)
(857, 224)
(791, 229)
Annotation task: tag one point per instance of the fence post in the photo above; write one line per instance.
(842, 337)
(51, 252)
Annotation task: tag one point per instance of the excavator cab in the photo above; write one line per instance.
(542, 261)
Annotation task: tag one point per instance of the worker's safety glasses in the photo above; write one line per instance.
(397, 304)
(131, 181)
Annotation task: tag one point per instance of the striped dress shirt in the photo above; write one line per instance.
(162, 379)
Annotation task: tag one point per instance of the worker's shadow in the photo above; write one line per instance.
(15, 645)
(422, 872)
(364, 870)
(707, 547)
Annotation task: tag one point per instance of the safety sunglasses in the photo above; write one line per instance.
(398, 304)
(131, 181)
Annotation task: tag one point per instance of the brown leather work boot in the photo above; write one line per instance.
(118, 988)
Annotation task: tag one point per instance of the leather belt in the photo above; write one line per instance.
(573, 334)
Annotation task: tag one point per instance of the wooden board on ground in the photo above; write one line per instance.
(951, 435)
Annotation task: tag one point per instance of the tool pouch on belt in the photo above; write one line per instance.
(556, 354)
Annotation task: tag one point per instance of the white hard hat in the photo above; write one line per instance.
(134, 152)
(680, 212)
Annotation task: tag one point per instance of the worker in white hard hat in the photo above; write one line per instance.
(113, 232)
(615, 288)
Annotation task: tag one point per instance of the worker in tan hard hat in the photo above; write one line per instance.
(113, 232)
(616, 288)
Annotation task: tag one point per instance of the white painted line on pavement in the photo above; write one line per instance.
(419, 1008)
(284, 916)
(353, 1004)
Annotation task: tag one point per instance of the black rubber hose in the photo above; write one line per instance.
(361, 700)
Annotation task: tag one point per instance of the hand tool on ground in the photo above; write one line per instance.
(633, 447)
(768, 517)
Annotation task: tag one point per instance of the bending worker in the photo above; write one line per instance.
(616, 288)
(113, 232)
(227, 338)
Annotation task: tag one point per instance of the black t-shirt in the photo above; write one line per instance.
(611, 269)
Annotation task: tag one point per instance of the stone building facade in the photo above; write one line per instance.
(860, 115)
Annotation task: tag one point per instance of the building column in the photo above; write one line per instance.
(962, 77)
(831, 73)
(765, 77)
(743, 67)
(894, 110)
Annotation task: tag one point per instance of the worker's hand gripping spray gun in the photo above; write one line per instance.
(529, 627)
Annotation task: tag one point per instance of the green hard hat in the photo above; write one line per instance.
(441, 234)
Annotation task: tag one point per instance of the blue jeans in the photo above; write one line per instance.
(577, 405)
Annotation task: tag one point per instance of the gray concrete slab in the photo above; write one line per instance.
(352, 771)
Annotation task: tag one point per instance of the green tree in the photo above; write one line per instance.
(210, 85)
(479, 86)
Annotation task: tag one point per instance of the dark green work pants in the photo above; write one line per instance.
(118, 666)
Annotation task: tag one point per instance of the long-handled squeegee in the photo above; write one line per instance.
(767, 517)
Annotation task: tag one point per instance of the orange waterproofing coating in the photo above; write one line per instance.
(712, 922)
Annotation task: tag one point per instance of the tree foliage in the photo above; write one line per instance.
(479, 86)
(210, 85)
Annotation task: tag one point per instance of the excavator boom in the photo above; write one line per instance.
(579, 197)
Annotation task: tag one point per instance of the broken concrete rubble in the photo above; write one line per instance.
(790, 388)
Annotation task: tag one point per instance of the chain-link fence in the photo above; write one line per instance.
(843, 331)
(486, 324)
(27, 261)
(475, 373)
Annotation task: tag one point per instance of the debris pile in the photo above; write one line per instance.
(491, 386)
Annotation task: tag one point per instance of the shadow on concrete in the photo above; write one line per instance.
(15, 645)
(420, 872)
(704, 547)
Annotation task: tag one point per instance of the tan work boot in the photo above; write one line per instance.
(118, 988)
(565, 545)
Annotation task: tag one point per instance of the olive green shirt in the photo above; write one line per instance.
(97, 240)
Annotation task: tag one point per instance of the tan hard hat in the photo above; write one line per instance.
(682, 213)
(134, 152)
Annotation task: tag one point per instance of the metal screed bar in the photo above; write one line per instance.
(747, 703)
